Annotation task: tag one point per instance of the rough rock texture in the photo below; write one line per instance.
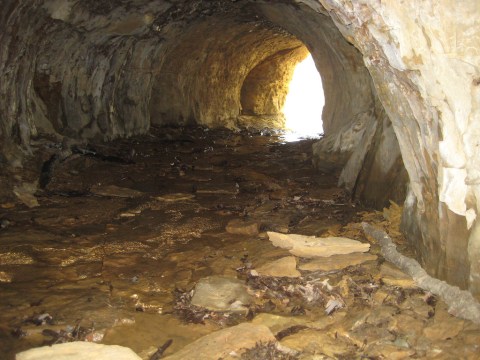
(424, 59)
(313, 247)
(225, 343)
(79, 351)
(265, 89)
(401, 82)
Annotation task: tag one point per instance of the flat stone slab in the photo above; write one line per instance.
(241, 227)
(221, 293)
(221, 344)
(79, 350)
(175, 197)
(393, 276)
(284, 267)
(115, 191)
(337, 262)
(312, 247)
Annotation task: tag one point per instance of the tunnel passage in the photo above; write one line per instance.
(399, 108)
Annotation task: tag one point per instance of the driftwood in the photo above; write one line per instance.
(461, 303)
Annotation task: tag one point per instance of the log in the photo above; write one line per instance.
(461, 303)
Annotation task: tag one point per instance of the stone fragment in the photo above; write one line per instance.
(312, 247)
(284, 267)
(393, 276)
(408, 325)
(79, 351)
(389, 351)
(445, 326)
(240, 227)
(175, 197)
(114, 191)
(5, 277)
(277, 323)
(337, 262)
(25, 193)
(221, 344)
(221, 293)
(317, 342)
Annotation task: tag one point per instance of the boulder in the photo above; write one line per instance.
(224, 343)
(284, 267)
(221, 293)
(312, 247)
(79, 351)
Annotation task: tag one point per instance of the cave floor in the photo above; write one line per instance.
(121, 237)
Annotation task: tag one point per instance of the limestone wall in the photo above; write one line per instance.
(401, 81)
(424, 60)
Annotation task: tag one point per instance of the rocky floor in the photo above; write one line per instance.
(163, 244)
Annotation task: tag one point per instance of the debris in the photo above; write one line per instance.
(332, 305)
(115, 191)
(269, 351)
(91, 152)
(461, 303)
(40, 319)
(5, 277)
(159, 353)
(175, 197)
(79, 350)
(25, 194)
(284, 267)
(311, 246)
(4, 223)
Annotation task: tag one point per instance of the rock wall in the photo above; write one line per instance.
(401, 81)
(423, 58)
(265, 88)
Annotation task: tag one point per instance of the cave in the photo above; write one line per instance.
(136, 120)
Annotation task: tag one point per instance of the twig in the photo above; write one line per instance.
(461, 303)
(159, 353)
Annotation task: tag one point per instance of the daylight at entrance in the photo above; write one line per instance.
(304, 104)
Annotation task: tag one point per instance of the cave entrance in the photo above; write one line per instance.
(304, 103)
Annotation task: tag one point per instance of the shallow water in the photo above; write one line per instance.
(94, 257)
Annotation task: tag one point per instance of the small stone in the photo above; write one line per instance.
(219, 293)
(445, 326)
(4, 223)
(7, 205)
(393, 276)
(115, 191)
(240, 227)
(5, 277)
(311, 246)
(408, 325)
(279, 194)
(175, 197)
(25, 193)
(337, 262)
(284, 267)
(389, 351)
(79, 350)
(222, 343)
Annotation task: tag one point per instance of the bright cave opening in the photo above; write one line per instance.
(304, 103)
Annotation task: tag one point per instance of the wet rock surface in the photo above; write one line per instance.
(121, 267)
